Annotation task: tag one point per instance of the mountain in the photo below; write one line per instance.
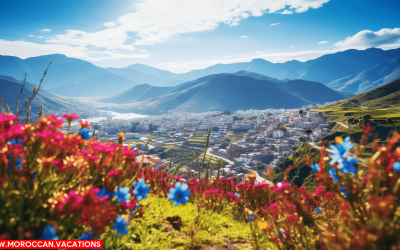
(385, 95)
(311, 91)
(138, 93)
(231, 92)
(256, 76)
(324, 69)
(75, 77)
(104, 84)
(369, 79)
(11, 87)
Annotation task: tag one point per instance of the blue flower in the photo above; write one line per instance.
(237, 195)
(103, 193)
(341, 150)
(141, 189)
(87, 236)
(122, 194)
(332, 172)
(85, 133)
(13, 142)
(48, 233)
(180, 194)
(18, 163)
(347, 165)
(315, 167)
(396, 166)
(318, 210)
(34, 176)
(250, 216)
(345, 192)
(120, 225)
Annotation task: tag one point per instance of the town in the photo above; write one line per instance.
(246, 141)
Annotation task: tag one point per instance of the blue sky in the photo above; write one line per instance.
(180, 35)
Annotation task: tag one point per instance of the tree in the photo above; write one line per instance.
(294, 148)
(261, 168)
(366, 117)
(389, 120)
(302, 139)
(351, 120)
(301, 112)
(309, 132)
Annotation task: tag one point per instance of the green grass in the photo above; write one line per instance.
(153, 231)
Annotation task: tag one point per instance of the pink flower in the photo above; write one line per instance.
(69, 117)
(114, 173)
(84, 124)
(280, 186)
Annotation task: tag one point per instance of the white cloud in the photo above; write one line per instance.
(243, 36)
(40, 36)
(274, 24)
(109, 24)
(46, 30)
(366, 39)
(272, 57)
(322, 42)
(287, 12)
(291, 46)
(31, 35)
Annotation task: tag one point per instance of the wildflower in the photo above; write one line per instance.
(345, 192)
(87, 236)
(250, 216)
(332, 172)
(48, 233)
(180, 194)
(396, 166)
(85, 133)
(347, 165)
(69, 117)
(280, 186)
(120, 225)
(114, 173)
(103, 194)
(122, 194)
(141, 189)
(315, 167)
(341, 150)
(237, 195)
(318, 210)
(84, 124)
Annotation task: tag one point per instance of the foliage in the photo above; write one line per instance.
(62, 180)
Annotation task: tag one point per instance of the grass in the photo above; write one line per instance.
(154, 231)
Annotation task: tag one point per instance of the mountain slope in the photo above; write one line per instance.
(222, 92)
(385, 95)
(369, 79)
(256, 76)
(138, 93)
(313, 91)
(11, 87)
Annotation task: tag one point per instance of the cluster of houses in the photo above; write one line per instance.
(265, 136)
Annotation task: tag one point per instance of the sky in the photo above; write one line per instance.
(182, 35)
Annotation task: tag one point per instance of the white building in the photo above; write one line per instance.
(243, 126)
(277, 134)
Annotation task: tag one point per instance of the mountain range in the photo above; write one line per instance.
(11, 87)
(369, 78)
(229, 92)
(77, 78)
(382, 96)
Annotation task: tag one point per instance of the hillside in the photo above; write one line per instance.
(228, 92)
(10, 88)
(138, 93)
(312, 91)
(368, 79)
(385, 95)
